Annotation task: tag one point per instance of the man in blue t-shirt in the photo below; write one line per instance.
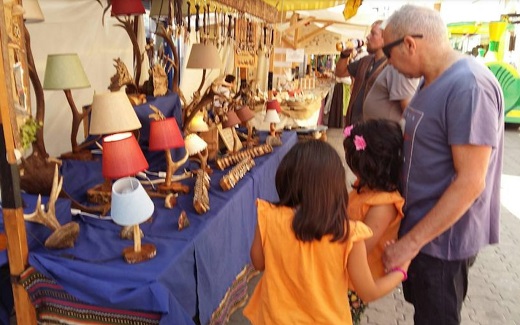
(453, 143)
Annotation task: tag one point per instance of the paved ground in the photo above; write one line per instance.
(494, 289)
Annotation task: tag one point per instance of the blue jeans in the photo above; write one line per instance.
(437, 288)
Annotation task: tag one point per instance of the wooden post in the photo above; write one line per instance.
(10, 185)
(271, 68)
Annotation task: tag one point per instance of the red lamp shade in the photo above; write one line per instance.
(245, 114)
(231, 120)
(127, 7)
(165, 134)
(122, 156)
(274, 104)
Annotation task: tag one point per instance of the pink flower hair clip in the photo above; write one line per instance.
(360, 142)
(347, 131)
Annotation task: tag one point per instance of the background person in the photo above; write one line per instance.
(392, 92)
(453, 146)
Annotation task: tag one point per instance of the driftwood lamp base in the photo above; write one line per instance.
(147, 252)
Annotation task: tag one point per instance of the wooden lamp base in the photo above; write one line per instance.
(147, 252)
(139, 253)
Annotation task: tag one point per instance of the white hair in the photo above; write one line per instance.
(411, 19)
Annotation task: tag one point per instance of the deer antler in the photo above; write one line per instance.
(62, 236)
(48, 218)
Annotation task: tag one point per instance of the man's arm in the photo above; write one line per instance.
(471, 164)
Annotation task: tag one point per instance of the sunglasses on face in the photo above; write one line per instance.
(388, 47)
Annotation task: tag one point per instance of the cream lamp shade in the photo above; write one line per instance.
(194, 144)
(204, 56)
(64, 71)
(33, 12)
(271, 116)
(112, 112)
(130, 205)
(197, 124)
(159, 8)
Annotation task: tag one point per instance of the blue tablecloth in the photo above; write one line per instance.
(193, 267)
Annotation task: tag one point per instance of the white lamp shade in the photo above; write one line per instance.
(112, 112)
(64, 71)
(194, 144)
(33, 12)
(130, 205)
(204, 56)
(271, 116)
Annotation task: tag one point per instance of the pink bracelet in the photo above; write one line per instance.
(398, 269)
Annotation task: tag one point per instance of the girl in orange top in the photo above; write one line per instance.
(307, 247)
(373, 153)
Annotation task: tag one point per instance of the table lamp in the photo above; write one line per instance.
(165, 135)
(245, 116)
(129, 9)
(122, 157)
(131, 206)
(112, 113)
(202, 56)
(229, 122)
(271, 115)
(195, 145)
(65, 72)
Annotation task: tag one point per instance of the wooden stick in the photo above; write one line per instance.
(137, 239)
(12, 206)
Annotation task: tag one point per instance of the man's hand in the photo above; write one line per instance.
(346, 53)
(398, 253)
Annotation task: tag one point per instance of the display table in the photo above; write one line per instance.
(193, 269)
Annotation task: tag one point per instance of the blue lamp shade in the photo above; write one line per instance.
(131, 205)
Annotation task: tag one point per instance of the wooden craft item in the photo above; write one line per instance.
(211, 137)
(229, 138)
(229, 180)
(183, 222)
(122, 76)
(170, 200)
(160, 80)
(201, 195)
(234, 158)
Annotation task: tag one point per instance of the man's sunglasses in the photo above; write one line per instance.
(388, 47)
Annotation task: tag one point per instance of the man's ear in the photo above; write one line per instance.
(411, 45)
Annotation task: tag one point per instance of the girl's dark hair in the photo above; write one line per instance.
(311, 179)
(378, 166)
